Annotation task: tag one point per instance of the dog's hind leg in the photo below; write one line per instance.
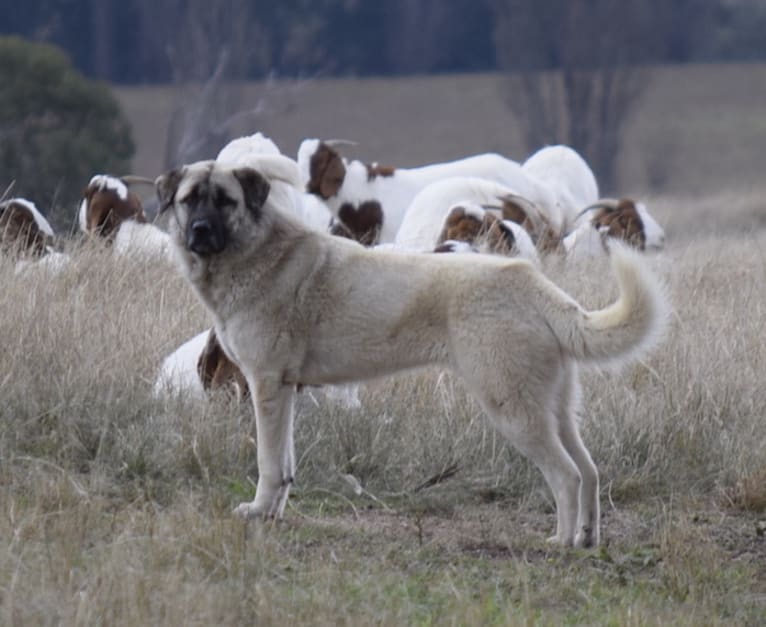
(587, 531)
(535, 435)
(273, 403)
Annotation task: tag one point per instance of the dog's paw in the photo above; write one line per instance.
(248, 511)
(586, 538)
(559, 541)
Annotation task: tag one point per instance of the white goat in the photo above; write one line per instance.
(371, 200)
(568, 177)
(240, 151)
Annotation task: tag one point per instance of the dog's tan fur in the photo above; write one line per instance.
(293, 306)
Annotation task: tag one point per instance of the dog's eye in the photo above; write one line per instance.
(222, 199)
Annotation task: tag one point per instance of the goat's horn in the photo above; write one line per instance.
(339, 142)
(8, 189)
(604, 203)
(530, 208)
(130, 179)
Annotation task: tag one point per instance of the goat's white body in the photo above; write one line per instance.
(424, 219)
(138, 239)
(178, 373)
(238, 151)
(52, 262)
(568, 177)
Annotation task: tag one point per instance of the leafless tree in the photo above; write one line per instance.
(210, 46)
(575, 69)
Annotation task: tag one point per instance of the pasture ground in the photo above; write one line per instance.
(115, 506)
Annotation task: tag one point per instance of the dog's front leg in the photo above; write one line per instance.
(273, 403)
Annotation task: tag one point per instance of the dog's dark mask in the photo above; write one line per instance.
(207, 204)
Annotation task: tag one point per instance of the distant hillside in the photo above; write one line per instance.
(697, 129)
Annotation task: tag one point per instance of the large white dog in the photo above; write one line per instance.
(293, 307)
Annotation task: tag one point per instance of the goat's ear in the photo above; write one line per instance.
(167, 186)
(255, 188)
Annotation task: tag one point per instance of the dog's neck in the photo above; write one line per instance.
(259, 265)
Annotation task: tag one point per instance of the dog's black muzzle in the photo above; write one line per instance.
(205, 236)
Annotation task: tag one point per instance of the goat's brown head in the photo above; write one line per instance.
(532, 220)
(19, 232)
(619, 219)
(106, 204)
(482, 229)
(326, 171)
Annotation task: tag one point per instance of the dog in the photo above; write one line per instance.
(294, 307)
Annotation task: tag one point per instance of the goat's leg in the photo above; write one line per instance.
(273, 403)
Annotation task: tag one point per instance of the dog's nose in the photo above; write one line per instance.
(202, 237)
(201, 228)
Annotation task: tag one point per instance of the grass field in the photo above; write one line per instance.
(116, 506)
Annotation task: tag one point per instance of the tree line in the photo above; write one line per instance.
(144, 41)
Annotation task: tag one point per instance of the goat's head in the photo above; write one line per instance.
(527, 214)
(216, 371)
(23, 230)
(626, 220)
(326, 170)
(483, 230)
(106, 203)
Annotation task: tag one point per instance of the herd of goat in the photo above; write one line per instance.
(486, 204)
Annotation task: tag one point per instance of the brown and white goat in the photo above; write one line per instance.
(106, 204)
(24, 231)
(371, 200)
(110, 210)
(622, 219)
(484, 231)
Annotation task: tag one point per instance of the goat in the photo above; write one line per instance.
(425, 217)
(200, 366)
(242, 150)
(107, 203)
(622, 219)
(469, 227)
(27, 235)
(371, 200)
(110, 210)
(24, 231)
(197, 367)
(569, 178)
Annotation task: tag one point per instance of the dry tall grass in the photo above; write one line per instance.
(116, 505)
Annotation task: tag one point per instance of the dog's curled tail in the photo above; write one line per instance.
(626, 328)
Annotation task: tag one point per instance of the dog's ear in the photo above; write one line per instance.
(255, 188)
(167, 186)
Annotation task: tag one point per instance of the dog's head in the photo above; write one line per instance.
(215, 204)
